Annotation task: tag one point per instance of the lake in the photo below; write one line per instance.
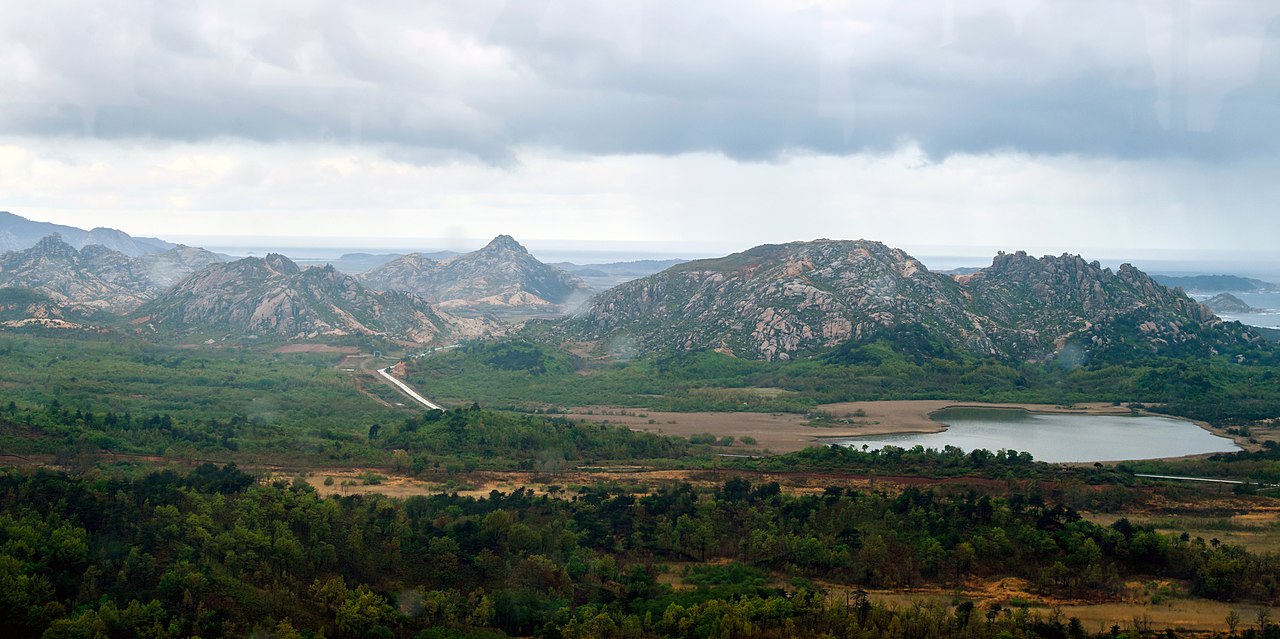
(1055, 437)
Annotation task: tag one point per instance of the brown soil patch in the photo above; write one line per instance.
(317, 348)
(775, 432)
(566, 483)
(1184, 614)
(789, 432)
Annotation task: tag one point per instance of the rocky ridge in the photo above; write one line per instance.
(775, 302)
(502, 275)
(272, 296)
(18, 233)
(97, 278)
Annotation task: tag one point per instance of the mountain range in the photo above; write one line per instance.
(777, 302)
(502, 276)
(272, 296)
(18, 233)
(771, 302)
(96, 277)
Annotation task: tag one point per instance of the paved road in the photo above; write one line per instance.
(404, 388)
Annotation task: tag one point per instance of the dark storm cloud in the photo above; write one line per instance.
(751, 80)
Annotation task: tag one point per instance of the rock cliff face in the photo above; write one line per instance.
(96, 277)
(502, 275)
(774, 301)
(1037, 304)
(779, 301)
(272, 296)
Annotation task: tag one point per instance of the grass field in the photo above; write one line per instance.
(1257, 530)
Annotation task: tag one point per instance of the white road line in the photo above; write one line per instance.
(408, 391)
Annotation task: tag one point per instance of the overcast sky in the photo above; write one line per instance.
(1073, 125)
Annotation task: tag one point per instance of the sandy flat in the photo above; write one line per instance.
(317, 348)
(788, 432)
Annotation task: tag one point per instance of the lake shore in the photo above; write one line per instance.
(789, 432)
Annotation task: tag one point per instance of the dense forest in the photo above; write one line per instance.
(112, 549)
(216, 553)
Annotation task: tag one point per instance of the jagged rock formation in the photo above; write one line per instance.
(272, 296)
(502, 275)
(778, 301)
(18, 233)
(1042, 302)
(96, 277)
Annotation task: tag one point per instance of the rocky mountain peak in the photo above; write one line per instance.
(504, 243)
(52, 245)
(97, 277)
(778, 301)
(500, 277)
(281, 264)
(272, 296)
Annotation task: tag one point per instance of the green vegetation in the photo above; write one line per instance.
(904, 364)
(72, 398)
(468, 439)
(214, 554)
(1259, 467)
(126, 395)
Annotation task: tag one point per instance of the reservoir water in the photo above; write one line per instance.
(1055, 437)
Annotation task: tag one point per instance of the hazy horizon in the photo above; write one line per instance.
(1103, 129)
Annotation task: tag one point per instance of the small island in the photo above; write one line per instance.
(1228, 303)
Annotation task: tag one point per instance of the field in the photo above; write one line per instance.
(789, 432)
(1186, 614)
(1257, 529)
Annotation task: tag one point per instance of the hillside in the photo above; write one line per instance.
(272, 296)
(500, 276)
(18, 233)
(780, 301)
(24, 307)
(96, 277)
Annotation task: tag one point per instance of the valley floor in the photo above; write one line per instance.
(790, 432)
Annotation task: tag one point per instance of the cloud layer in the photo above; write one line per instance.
(753, 80)
(1006, 201)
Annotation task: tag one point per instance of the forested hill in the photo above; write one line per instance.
(215, 553)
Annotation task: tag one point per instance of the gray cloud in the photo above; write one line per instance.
(747, 79)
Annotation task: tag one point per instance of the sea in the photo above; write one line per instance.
(1266, 305)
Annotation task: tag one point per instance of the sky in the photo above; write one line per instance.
(1105, 126)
